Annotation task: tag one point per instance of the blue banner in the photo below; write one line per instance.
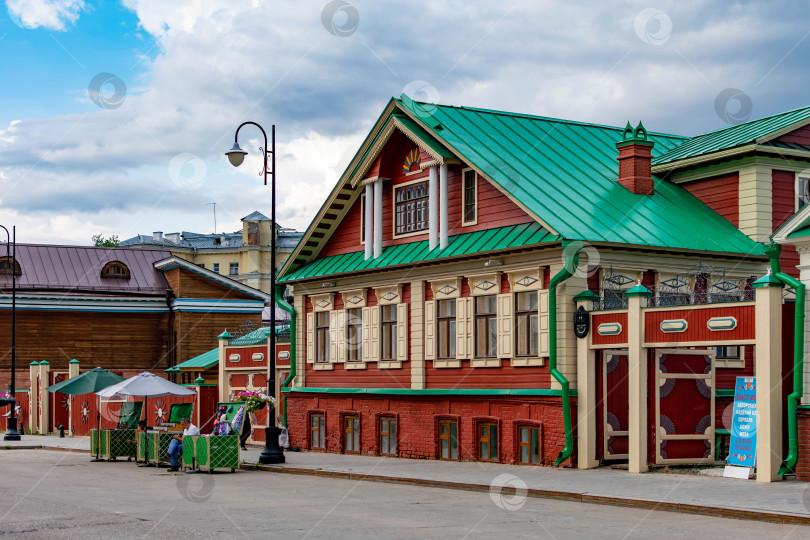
(742, 449)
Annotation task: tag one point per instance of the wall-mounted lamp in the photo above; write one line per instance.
(493, 262)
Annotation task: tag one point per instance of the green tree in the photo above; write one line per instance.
(110, 241)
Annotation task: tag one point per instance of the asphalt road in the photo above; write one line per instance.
(62, 495)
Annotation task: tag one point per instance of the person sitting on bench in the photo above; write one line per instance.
(176, 444)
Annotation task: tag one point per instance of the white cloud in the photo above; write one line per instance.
(50, 14)
(223, 62)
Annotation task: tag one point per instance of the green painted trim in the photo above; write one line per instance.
(586, 295)
(283, 304)
(34, 363)
(724, 392)
(224, 335)
(74, 361)
(44, 363)
(802, 407)
(433, 391)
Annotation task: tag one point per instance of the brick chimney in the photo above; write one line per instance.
(635, 155)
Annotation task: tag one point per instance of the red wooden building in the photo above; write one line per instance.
(435, 291)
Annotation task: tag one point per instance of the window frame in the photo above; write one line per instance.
(726, 361)
(481, 440)
(388, 328)
(351, 434)
(354, 350)
(797, 191)
(527, 313)
(215, 267)
(231, 267)
(450, 322)
(488, 316)
(121, 270)
(386, 450)
(320, 429)
(449, 437)
(527, 444)
(11, 262)
(395, 204)
(464, 197)
(321, 337)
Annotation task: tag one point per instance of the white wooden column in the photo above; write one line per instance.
(443, 206)
(586, 397)
(73, 371)
(378, 187)
(637, 385)
(45, 406)
(368, 217)
(433, 208)
(224, 386)
(768, 371)
(33, 397)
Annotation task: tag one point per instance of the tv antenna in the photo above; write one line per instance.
(215, 215)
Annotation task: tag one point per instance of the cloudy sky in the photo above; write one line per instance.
(114, 115)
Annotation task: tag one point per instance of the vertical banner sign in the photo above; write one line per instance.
(742, 449)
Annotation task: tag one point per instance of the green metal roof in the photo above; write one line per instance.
(201, 362)
(526, 234)
(733, 136)
(258, 336)
(565, 173)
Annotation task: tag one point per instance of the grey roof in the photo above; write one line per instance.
(78, 269)
(288, 238)
(255, 216)
(187, 240)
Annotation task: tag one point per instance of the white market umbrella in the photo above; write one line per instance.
(146, 385)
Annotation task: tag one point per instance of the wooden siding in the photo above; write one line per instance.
(798, 136)
(187, 284)
(111, 340)
(697, 330)
(618, 339)
(246, 357)
(196, 333)
(720, 193)
(371, 377)
(506, 376)
(784, 204)
(494, 208)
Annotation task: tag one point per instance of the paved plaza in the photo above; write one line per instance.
(63, 495)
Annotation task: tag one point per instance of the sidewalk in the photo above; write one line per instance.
(786, 502)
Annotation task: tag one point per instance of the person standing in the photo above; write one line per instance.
(176, 444)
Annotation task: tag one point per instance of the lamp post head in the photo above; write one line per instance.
(236, 155)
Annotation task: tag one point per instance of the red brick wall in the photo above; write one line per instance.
(417, 422)
(803, 465)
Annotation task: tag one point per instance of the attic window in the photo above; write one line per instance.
(5, 266)
(115, 269)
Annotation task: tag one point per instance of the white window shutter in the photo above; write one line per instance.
(366, 344)
(310, 338)
(505, 325)
(402, 332)
(463, 327)
(430, 330)
(333, 335)
(342, 319)
(542, 322)
(374, 338)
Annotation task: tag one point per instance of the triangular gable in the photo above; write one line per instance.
(797, 226)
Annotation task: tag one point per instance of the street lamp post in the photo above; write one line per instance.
(272, 452)
(11, 243)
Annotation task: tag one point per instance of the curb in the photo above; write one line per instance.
(49, 448)
(645, 504)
